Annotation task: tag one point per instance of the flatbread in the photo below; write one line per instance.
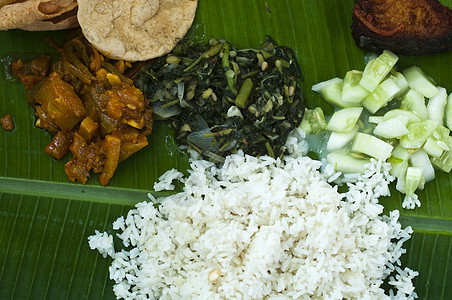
(39, 15)
(135, 30)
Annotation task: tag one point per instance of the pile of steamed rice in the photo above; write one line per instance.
(261, 228)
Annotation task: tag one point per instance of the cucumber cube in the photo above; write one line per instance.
(377, 69)
(436, 106)
(415, 102)
(339, 140)
(420, 159)
(412, 117)
(352, 92)
(398, 169)
(346, 163)
(419, 133)
(371, 146)
(420, 82)
(375, 119)
(402, 83)
(330, 90)
(313, 121)
(432, 147)
(400, 153)
(412, 180)
(344, 120)
(381, 95)
(392, 128)
(444, 162)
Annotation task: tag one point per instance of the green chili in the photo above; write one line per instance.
(244, 93)
(209, 53)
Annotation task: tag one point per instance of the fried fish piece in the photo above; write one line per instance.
(38, 15)
(409, 27)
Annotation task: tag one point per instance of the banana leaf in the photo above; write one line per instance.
(45, 220)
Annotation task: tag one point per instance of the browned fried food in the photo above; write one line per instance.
(37, 15)
(410, 27)
(7, 122)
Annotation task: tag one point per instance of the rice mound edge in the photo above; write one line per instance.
(261, 228)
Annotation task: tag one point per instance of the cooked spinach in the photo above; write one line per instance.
(222, 99)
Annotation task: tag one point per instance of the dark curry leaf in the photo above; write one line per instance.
(222, 99)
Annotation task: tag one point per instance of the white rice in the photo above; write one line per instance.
(261, 228)
(166, 180)
(410, 202)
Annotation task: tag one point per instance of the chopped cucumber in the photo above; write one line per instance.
(415, 102)
(344, 120)
(398, 168)
(392, 128)
(381, 95)
(449, 112)
(372, 146)
(441, 133)
(313, 121)
(338, 140)
(412, 135)
(437, 105)
(401, 82)
(346, 163)
(400, 153)
(437, 143)
(419, 133)
(432, 147)
(412, 180)
(377, 69)
(352, 92)
(420, 159)
(330, 90)
(375, 119)
(420, 82)
(412, 117)
(399, 164)
(444, 162)
(400, 186)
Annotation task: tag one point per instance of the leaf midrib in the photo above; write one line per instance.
(109, 195)
(123, 196)
(428, 224)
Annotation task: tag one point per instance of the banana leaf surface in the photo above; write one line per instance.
(45, 219)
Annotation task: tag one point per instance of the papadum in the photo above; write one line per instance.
(38, 15)
(135, 30)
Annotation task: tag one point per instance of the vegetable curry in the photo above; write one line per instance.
(89, 106)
